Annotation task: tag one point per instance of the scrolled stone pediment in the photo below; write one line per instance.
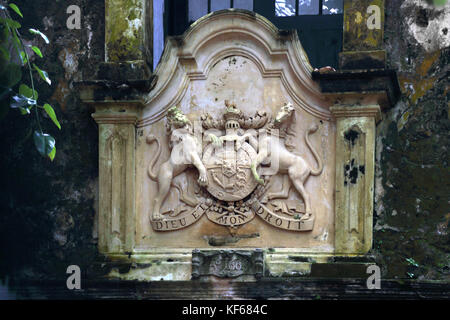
(233, 33)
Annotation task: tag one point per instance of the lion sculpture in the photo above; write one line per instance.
(294, 165)
(185, 152)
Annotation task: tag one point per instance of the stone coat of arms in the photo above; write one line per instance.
(229, 160)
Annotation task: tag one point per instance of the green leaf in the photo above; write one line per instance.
(11, 23)
(52, 154)
(51, 113)
(43, 74)
(23, 57)
(16, 9)
(28, 92)
(44, 143)
(37, 51)
(35, 31)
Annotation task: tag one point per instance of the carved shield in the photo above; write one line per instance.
(229, 174)
(229, 167)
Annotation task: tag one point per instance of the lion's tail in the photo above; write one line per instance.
(317, 171)
(150, 139)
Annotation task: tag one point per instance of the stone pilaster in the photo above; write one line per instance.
(116, 122)
(355, 165)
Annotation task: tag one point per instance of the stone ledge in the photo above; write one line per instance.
(178, 267)
(361, 82)
(124, 90)
(280, 288)
(371, 111)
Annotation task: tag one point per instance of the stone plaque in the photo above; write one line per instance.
(235, 145)
(236, 149)
(227, 263)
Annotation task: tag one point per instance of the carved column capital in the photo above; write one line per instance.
(351, 111)
(116, 112)
(114, 118)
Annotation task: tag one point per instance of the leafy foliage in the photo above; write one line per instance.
(14, 94)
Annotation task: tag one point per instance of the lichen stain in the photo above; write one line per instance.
(417, 85)
(403, 120)
(422, 88)
(358, 18)
(371, 41)
(428, 62)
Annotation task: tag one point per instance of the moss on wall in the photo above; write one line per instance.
(412, 204)
(124, 35)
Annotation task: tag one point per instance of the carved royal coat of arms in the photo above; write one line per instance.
(230, 157)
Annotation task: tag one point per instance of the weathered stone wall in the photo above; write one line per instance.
(47, 219)
(412, 210)
(48, 209)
